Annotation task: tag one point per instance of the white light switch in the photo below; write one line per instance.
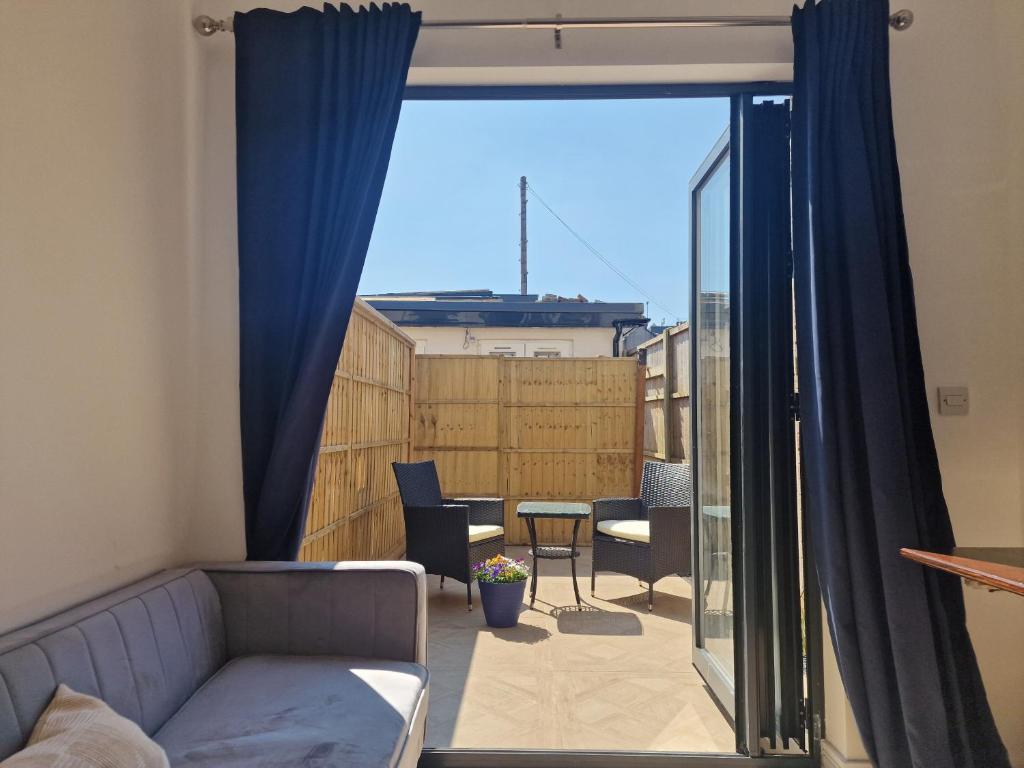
(953, 401)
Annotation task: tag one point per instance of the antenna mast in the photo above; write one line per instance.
(522, 235)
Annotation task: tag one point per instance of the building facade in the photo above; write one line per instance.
(514, 325)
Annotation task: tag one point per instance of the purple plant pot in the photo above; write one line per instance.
(502, 602)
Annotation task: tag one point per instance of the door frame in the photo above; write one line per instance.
(765, 460)
(566, 758)
(433, 757)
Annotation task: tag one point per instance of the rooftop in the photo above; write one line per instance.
(482, 307)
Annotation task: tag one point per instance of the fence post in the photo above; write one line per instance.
(412, 405)
(639, 418)
(669, 387)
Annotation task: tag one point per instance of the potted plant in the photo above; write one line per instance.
(502, 583)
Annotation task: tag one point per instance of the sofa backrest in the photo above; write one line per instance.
(143, 649)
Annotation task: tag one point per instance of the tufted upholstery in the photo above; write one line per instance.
(143, 649)
(367, 609)
(158, 651)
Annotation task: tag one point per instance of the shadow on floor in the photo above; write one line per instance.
(521, 633)
(589, 620)
(666, 605)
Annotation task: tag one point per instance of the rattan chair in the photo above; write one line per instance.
(447, 536)
(647, 538)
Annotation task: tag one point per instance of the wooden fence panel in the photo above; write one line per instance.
(465, 473)
(457, 425)
(667, 395)
(355, 512)
(526, 428)
(450, 379)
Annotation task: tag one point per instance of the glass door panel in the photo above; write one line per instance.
(713, 636)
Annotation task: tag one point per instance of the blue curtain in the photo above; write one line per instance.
(871, 470)
(317, 101)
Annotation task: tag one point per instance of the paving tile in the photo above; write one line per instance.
(609, 676)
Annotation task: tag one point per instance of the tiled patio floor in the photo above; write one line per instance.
(612, 676)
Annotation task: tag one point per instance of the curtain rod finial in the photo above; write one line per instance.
(901, 19)
(207, 26)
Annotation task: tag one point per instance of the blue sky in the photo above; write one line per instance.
(617, 171)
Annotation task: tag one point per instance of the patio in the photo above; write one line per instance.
(610, 676)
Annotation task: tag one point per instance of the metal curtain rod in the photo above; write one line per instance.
(900, 20)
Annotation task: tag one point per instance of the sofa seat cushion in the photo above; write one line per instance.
(484, 532)
(632, 530)
(300, 710)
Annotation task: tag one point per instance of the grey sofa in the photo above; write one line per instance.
(242, 664)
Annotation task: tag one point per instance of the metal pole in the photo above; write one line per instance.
(899, 20)
(522, 235)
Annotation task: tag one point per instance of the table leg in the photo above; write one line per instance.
(711, 546)
(572, 559)
(533, 548)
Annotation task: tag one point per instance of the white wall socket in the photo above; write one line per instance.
(953, 401)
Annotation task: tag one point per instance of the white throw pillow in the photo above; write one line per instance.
(79, 731)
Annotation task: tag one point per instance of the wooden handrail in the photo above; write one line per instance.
(1001, 568)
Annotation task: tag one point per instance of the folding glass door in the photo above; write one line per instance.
(748, 578)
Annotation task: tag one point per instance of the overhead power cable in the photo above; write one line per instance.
(604, 259)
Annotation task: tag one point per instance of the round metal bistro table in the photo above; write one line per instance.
(531, 511)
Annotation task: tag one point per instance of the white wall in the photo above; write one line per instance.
(578, 342)
(219, 530)
(96, 298)
(587, 56)
(958, 79)
(957, 76)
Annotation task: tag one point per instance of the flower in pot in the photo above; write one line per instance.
(502, 583)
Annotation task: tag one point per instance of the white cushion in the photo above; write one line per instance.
(481, 532)
(634, 530)
(80, 731)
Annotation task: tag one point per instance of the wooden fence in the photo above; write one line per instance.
(667, 395)
(355, 513)
(526, 428)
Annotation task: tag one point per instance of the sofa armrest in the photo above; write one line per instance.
(372, 609)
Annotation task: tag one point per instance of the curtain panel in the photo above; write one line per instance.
(871, 469)
(318, 95)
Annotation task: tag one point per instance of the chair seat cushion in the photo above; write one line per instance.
(300, 710)
(632, 530)
(481, 532)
